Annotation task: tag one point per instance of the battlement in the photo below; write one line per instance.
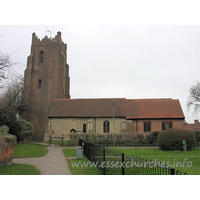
(46, 40)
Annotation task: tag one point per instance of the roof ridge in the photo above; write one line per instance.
(156, 99)
(91, 99)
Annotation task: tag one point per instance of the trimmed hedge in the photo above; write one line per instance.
(108, 139)
(171, 139)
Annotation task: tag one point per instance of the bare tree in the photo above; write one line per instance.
(194, 97)
(5, 65)
(7, 68)
(12, 96)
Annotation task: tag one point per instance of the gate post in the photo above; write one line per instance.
(94, 154)
(80, 142)
(104, 160)
(122, 163)
(172, 171)
(50, 141)
(62, 140)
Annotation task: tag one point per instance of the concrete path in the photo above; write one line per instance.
(54, 163)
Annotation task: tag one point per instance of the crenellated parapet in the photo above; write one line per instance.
(46, 41)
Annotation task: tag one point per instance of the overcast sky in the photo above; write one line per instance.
(120, 61)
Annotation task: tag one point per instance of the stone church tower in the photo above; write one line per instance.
(46, 78)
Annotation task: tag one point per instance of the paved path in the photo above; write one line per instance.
(54, 163)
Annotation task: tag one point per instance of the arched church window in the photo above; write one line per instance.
(73, 131)
(39, 84)
(84, 128)
(106, 126)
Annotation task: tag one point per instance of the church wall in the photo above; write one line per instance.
(63, 126)
(95, 125)
(156, 125)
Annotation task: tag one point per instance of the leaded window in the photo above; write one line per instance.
(147, 126)
(106, 126)
(166, 125)
(84, 128)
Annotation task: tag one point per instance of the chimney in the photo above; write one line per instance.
(196, 121)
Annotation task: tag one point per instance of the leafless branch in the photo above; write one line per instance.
(194, 97)
(7, 68)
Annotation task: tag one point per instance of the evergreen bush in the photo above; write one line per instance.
(17, 127)
(197, 134)
(152, 137)
(8, 118)
(171, 139)
(24, 129)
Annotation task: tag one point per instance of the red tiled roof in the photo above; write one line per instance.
(130, 108)
(88, 108)
(153, 109)
(194, 126)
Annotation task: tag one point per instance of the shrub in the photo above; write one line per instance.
(171, 139)
(21, 136)
(17, 127)
(108, 139)
(197, 134)
(152, 137)
(8, 118)
(24, 129)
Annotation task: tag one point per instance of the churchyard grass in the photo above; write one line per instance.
(59, 142)
(19, 169)
(82, 170)
(24, 151)
(29, 150)
(175, 159)
(69, 152)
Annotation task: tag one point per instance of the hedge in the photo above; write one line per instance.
(171, 139)
(108, 139)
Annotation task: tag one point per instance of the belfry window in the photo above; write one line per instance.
(39, 84)
(106, 126)
(41, 58)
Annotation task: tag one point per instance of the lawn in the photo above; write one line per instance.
(185, 162)
(79, 170)
(71, 152)
(29, 150)
(24, 151)
(18, 169)
(59, 142)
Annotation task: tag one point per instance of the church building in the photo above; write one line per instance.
(51, 109)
